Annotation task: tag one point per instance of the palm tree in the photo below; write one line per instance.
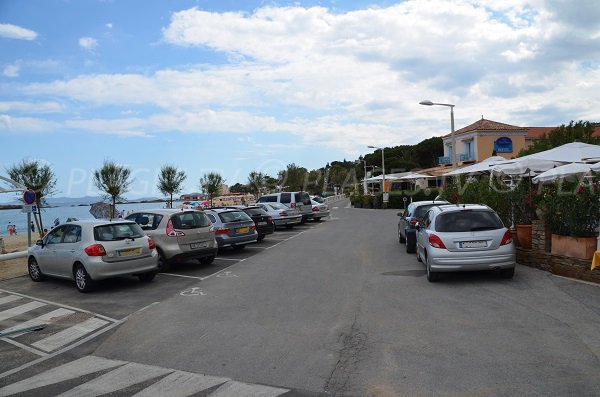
(170, 181)
(113, 180)
(211, 184)
(256, 181)
(37, 177)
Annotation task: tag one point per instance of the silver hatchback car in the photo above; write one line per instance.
(87, 251)
(233, 227)
(465, 237)
(179, 235)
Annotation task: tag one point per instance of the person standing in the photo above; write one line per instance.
(10, 229)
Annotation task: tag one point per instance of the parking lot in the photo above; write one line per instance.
(107, 306)
(330, 308)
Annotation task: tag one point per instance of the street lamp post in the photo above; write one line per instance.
(385, 196)
(453, 154)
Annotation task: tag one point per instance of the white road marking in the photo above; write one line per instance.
(24, 347)
(60, 305)
(69, 335)
(74, 369)
(181, 275)
(255, 247)
(229, 259)
(9, 298)
(194, 291)
(226, 275)
(15, 311)
(43, 319)
(120, 378)
(239, 389)
(181, 384)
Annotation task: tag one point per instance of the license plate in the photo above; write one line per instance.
(473, 244)
(130, 252)
(196, 246)
(261, 223)
(242, 230)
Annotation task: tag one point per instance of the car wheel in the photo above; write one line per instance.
(147, 277)
(83, 281)
(261, 237)
(401, 239)
(411, 245)
(163, 264)
(507, 273)
(431, 276)
(208, 260)
(35, 273)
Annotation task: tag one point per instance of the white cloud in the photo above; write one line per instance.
(11, 70)
(109, 25)
(16, 32)
(31, 107)
(88, 43)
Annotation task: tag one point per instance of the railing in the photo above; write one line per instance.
(444, 160)
(460, 157)
(465, 157)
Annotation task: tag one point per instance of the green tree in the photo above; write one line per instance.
(292, 178)
(170, 181)
(256, 182)
(114, 180)
(582, 131)
(37, 177)
(239, 188)
(211, 184)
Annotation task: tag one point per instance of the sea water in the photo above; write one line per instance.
(16, 217)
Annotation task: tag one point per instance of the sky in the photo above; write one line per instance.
(238, 86)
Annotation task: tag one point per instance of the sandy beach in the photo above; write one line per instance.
(15, 267)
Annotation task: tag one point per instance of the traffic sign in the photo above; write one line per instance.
(29, 208)
(29, 196)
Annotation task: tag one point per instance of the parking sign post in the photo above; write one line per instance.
(29, 200)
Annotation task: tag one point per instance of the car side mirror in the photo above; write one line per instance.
(40, 243)
(400, 213)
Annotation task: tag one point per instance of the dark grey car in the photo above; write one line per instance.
(233, 227)
(409, 218)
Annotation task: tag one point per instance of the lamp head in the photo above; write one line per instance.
(426, 103)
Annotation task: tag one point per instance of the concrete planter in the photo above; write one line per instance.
(574, 247)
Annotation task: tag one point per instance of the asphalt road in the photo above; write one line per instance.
(340, 308)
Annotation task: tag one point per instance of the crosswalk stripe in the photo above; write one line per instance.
(75, 369)
(239, 389)
(120, 378)
(43, 319)
(69, 335)
(15, 311)
(181, 384)
(9, 298)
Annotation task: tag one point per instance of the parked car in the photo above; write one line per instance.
(262, 220)
(465, 237)
(319, 210)
(179, 234)
(282, 215)
(299, 201)
(233, 227)
(407, 233)
(88, 251)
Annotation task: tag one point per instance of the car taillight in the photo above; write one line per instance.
(253, 227)
(315, 209)
(151, 243)
(171, 231)
(283, 213)
(507, 238)
(293, 205)
(436, 242)
(269, 220)
(95, 250)
(414, 221)
(221, 231)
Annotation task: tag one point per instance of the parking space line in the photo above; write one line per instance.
(15, 311)
(43, 319)
(181, 275)
(229, 259)
(24, 347)
(71, 334)
(9, 298)
(255, 247)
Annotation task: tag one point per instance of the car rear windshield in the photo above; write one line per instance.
(468, 221)
(117, 231)
(234, 216)
(190, 220)
(421, 210)
(278, 206)
(319, 200)
(254, 211)
(302, 197)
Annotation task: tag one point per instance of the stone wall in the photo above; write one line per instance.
(539, 256)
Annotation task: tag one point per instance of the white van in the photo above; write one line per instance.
(297, 200)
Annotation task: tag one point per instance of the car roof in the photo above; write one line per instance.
(222, 209)
(463, 207)
(429, 202)
(166, 211)
(97, 222)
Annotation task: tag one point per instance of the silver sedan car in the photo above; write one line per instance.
(87, 251)
(465, 237)
(282, 215)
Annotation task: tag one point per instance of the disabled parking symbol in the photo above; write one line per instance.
(194, 291)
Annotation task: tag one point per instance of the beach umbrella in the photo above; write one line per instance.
(572, 171)
(525, 165)
(101, 210)
(416, 175)
(568, 153)
(595, 167)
